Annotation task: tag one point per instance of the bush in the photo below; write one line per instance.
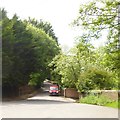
(95, 99)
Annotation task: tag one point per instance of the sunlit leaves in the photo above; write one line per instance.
(98, 15)
(83, 69)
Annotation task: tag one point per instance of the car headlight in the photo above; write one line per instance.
(50, 91)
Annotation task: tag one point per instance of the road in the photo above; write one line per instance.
(44, 106)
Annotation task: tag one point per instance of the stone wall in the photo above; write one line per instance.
(112, 94)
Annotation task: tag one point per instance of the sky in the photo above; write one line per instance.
(60, 13)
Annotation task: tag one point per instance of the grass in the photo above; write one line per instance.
(100, 100)
(114, 104)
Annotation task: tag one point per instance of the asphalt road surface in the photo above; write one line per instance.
(44, 106)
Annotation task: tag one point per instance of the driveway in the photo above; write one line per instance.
(44, 106)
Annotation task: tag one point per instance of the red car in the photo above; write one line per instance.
(54, 90)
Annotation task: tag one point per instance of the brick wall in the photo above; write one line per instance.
(25, 90)
(71, 93)
(62, 92)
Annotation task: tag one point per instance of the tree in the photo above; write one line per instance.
(45, 47)
(82, 69)
(6, 49)
(27, 51)
(99, 16)
(45, 26)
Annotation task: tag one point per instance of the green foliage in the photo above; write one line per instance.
(96, 17)
(114, 104)
(99, 16)
(45, 26)
(26, 49)
(95, 77)
(95, 100)
(82, 69)
(35, 80)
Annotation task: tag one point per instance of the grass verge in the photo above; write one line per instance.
(100, 100)
(114, 104)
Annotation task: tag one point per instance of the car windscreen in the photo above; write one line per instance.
(53, 88)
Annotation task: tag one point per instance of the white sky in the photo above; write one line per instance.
(60, 13)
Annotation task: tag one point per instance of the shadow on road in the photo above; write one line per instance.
(44, 101)
(35, 102)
